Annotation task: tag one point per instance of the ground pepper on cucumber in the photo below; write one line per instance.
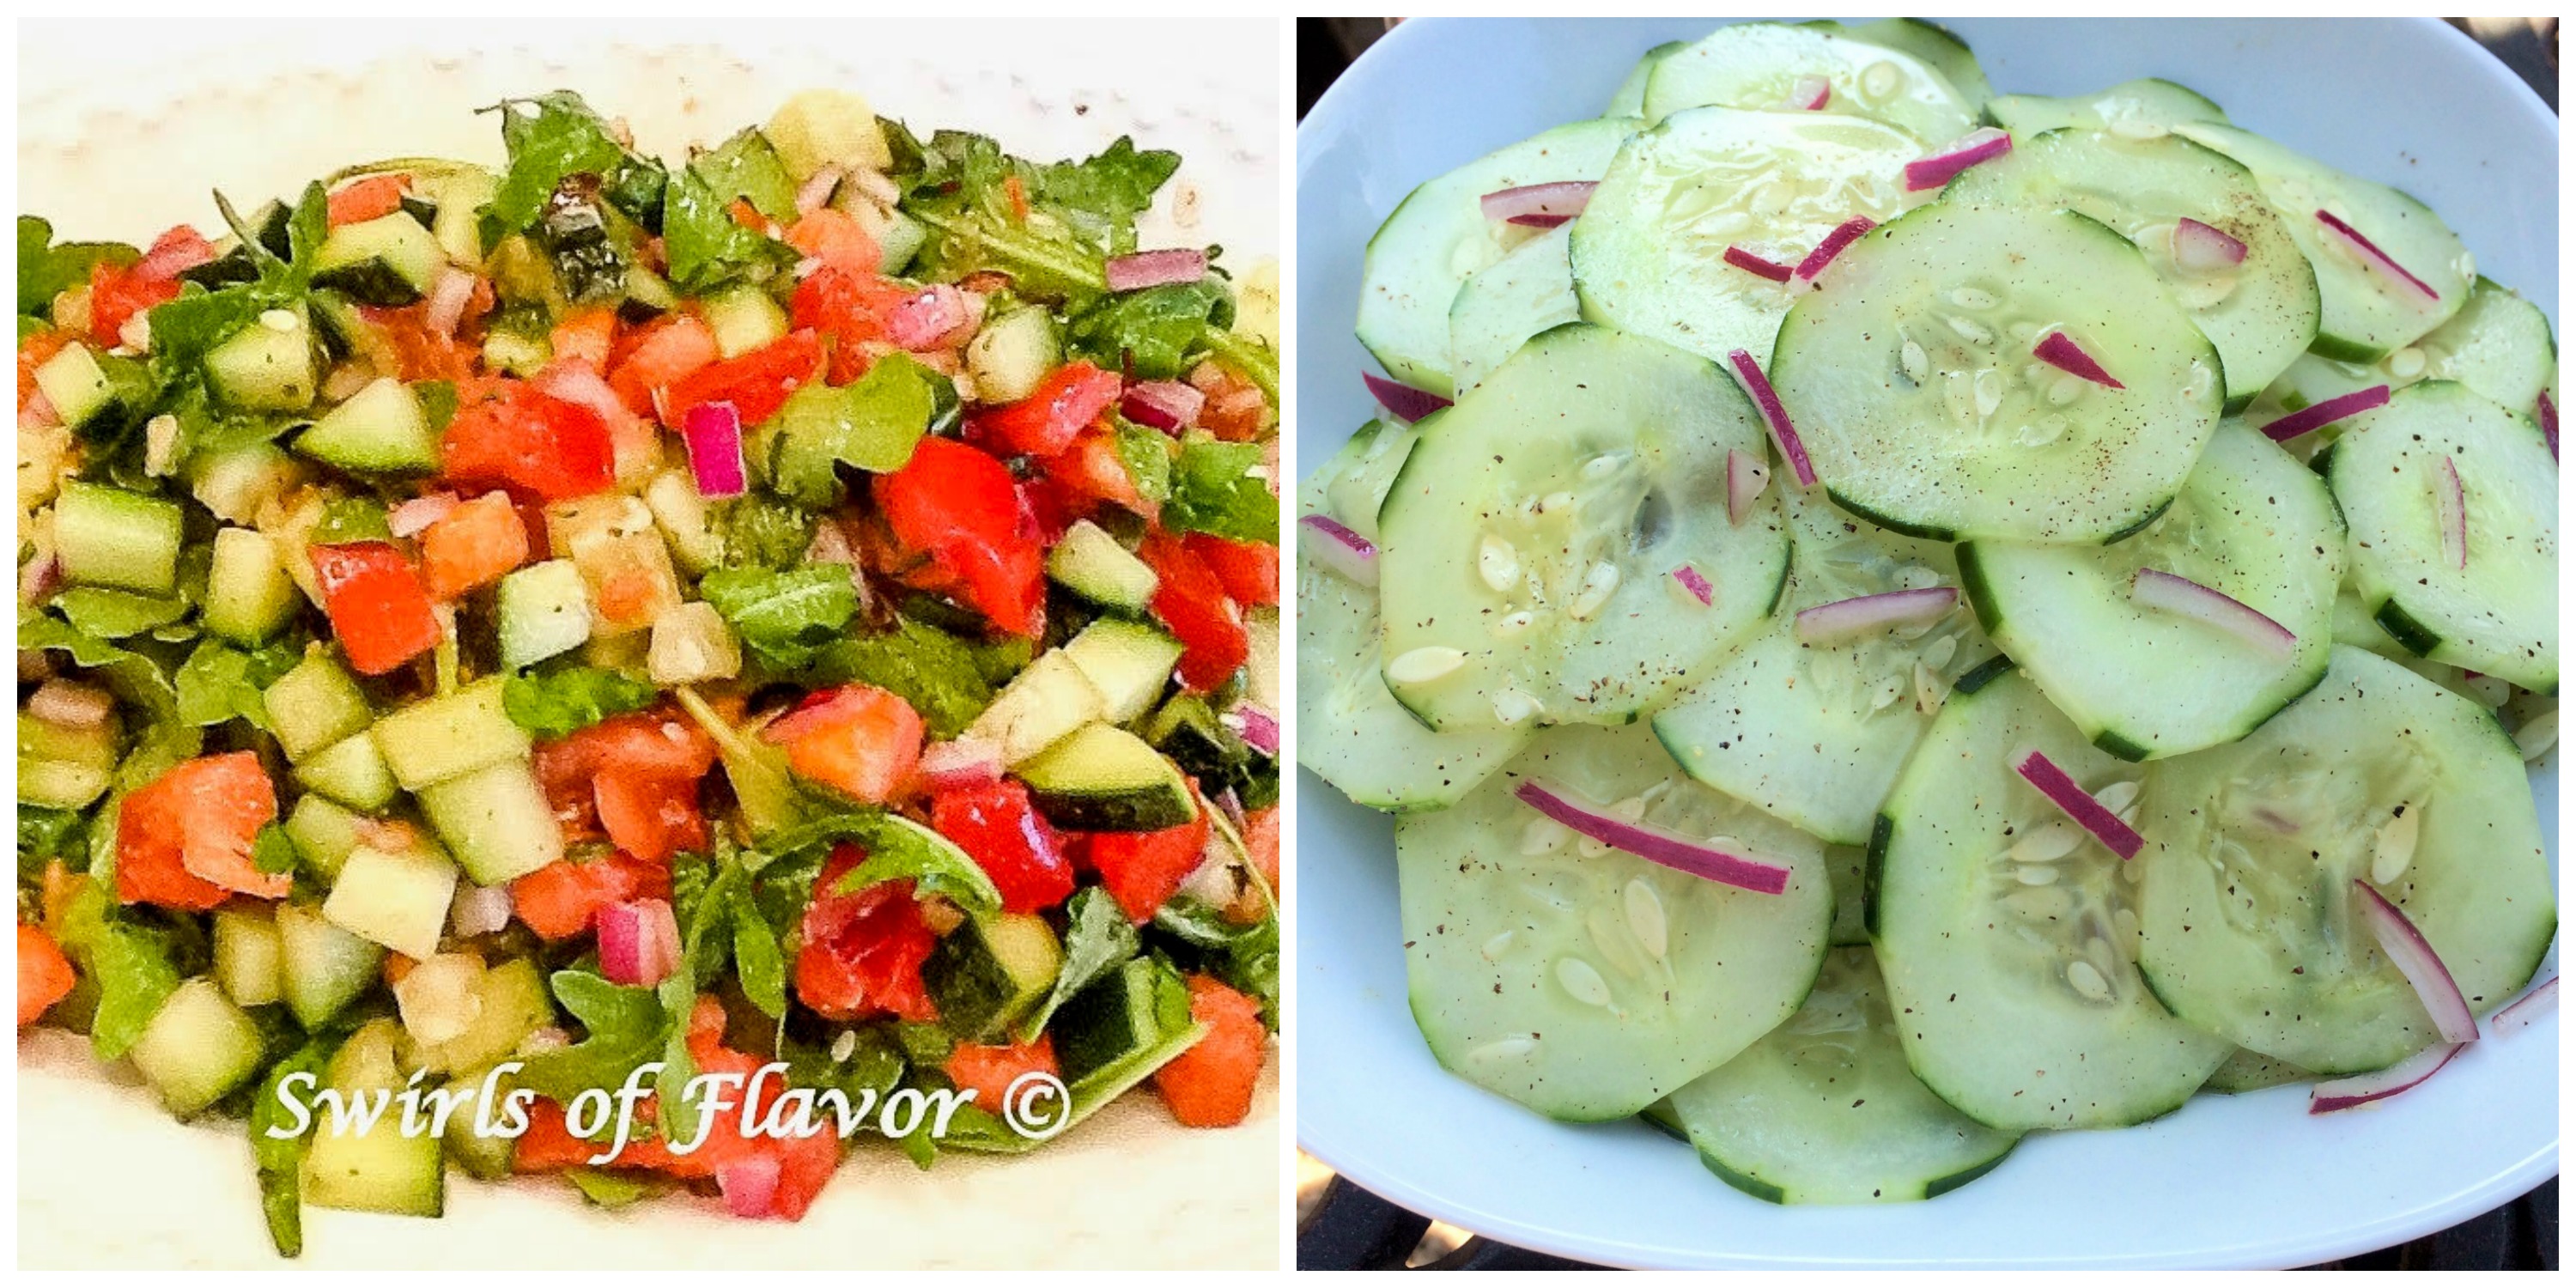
(811, 601)
(1892, 617)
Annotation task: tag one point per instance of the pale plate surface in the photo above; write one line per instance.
(2243, 1181)
(122, 144)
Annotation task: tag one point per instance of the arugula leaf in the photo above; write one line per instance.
(1098, 939)
(691, 876)
(757, 961)
(757, 530)
(607, 1189)
(875, 1063)
(281, 1161)
(1257, 361)
(219, 682)
(47, 269)
(784, 618)
(1147, 454)
(675, 1115)
(1152, 332)
(757, 771)
(870, 424)
(133, 676)
(938, 673)
(554, 702)
(747, 166)
(705, 247)
(555, 136)
(1110, 190)
(1245, 957)
(624, 1027)
(271, 850)
(101, 613)
(1213, 491)
(132, 963)
(45, 835)
(898, 849)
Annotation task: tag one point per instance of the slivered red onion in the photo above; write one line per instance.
(1967, 150)
(713, 432)
(749, 1185)
(1167, 405)
(2454, 504)
(2068, 795)
(2527, 1010)
(1809, 94)
(2199, 248)
(1539, 221)
(1404, 402)
(1335, 548)
(1174, 267)
(1258, 728)
(448, 297)
(2370, 251)
(2414, 957)
(2165, 592)
(1775, 415)
(1844, 234)
(1695, 585)
(639, 942)
(1756, 265)
(1746, 476)
(414, 516)
(1562, 200)
(818, 189)
(71, 704)
(2319, 415)
(2060, 350)
(1651, 843)
(1846, 619)
(2337, 1094)
(2548, 409)
(926, 320)
(962, 762)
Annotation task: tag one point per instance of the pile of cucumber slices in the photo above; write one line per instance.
(1891, 617)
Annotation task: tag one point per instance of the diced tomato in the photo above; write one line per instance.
(421, 351)
(373, 197)
(379, 611)
(117, 294)
(988, 1071)
(650, 818)
(851, 308)
(664, 354)
(35, 351)
(1070, 400)
(634, 777)
(836, 239)
(805, 1163)
(1142, 870)
(1261, 838)
(506, 434)
(175, 252)
(472, 545)
(186, 837)
(960, 507)
(862, 953)
(584, 336)
(998, 828)
(549, 1145)
(1190, 599)
(858, 739)
(757, 383)
(1249, 570)
(44, 974)
(1234, 410)
(1211, 1084)
(559, 900)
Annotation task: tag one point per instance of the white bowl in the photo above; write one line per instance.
(123, 127)
(2229, 1181)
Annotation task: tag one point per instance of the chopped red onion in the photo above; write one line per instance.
(2199, 248)
(1809, 94)
(713, 433)
(2336, 1094)
(1404, 402)
(1846, 619)
(1167, 405)
(1775, 415)
(750, 1185)
(818, 189)
(2060, 350)
(2165, 592)
(2065, 793)
(479, 910)
(414, 516)
(2528, 1010)
(1539, 221)
(1756, 265)
(1651, 843)
(41, 577)
(962, 762)
(37, 411)
(1968, 149)
(1695, 585)
(639, 942)
(2548, 409)
(577, 383)
(2414, 957)
(1844, 234)
(71, 704)
(172, 256)
(2319, 415)
(2454, 505)
(1746, 476)
(448, 296)
(1562, 200)
(1335, 548)
(1175, 267)
(924, 321)
(1258, 728)
(2370, 251)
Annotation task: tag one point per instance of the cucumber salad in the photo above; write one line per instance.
(807, 604)
(1891, 617)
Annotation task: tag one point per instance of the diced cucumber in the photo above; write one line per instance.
(1105, 779)
(397, 900)
(1047, 700)
(315, 705)
(510, 1002)
(819, 127)
(1261, 663)
(518, 342)
(267, 365)
(496, 821)
(619, 550)
(900, 240)
(388, 261)
(649, 290)
(380, 429)
(988, 972)
(1124, 1013)
(351, 771)
(450, 735)
(681, 511)
(544, 611)
(1090, 563)
(235, 482)
(248, 594)
(42, 739)
(691, 644)
(107, 536)
(197, 1048)
(458, 226)
(58, 784)
(72, 382)
(1128, 662)
(743, 318)
(484, 1157)
(323, 967)
(1012, 354)
(379, 1169)
(250, 961)
(324, 832)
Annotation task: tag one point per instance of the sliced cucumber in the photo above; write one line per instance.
(1500, 306)
(324, 832)
(351, 771)
(987, 973)
(2023, 1008)
(1535, 529)
(1584, 982)
(1045, 702)
(496, 821)
(1365, 468)
(107, 536)
(1439, 235)
(510, 1002)
(2138, 109)
(2253, 1071)
(1909, 373)
(387, 261)
(1630, 98)
(2260, 314)
(325, 968)
(2250, 925)
(1118, 1017)
(1012, 355)
(743, 318)
(1849, 867)
(1939, 49)
(380, 429)
(1815, 734)
(1755, 64)
(1824, 1110)
(1105, 779)
(380, 1168)
(249, 597)
(1649, 251)
(2498, 614)
(315, 705)
(397, 900)
(2251, 523)
(267, 365)
(198, 1048)
(249, 962)
(79, 391)
(2497, 344)
(451, 735)
(2368, 310)
(1129, 662)
(1090, 563)
(544, 611)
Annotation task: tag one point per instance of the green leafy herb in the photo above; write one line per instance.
(272, 850)
(133, 964)
(676, 1114)
(1098, 939)
(133, 676)
(746, 166)
(703, 244)
(47, 269)
(281, 1161)
(756, 957)
(938, 673)
(869, 424)
(220, 682)
(185, 329)
(757, 771)
(898, 849)
(1154, 331)
(1213, 491)
(784, 618)
(554, 702)
(607, 1189)
(45, 835)
(1246, 958)
(624, 1027)
(117, 614)
(758, 530)
(555, 136)
(1104, 195)
(1147, 454)
(875, 1063)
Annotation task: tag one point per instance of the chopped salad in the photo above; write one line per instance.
(810, 602)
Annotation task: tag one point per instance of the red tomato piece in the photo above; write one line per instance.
(184, 840)
(373, 197)
(116, 295)
(560, 900)
(1234, 410)
(1249, 570)
(379, 611)
(44, 974)
(33, 352)
(472, 545)
(1190, 600)
(1142, 870)
(663, 354)
(757, 383)
(998, 828)
(585, 335)
(1070, 400)
(858, 739)
(1091, 472)
(960, 507)
(988, 1071)
(1211, 1084)
(862, 953)
(837, 240)
(506, 434)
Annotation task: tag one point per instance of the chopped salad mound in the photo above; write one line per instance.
(811, 603)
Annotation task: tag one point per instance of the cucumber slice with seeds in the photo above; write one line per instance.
(2253, 1071)
(2140, 108)
(1630, 98)
(1753, 65)
(1501, 306)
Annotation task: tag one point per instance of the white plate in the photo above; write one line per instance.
(2242, 1181)
(123, 129)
